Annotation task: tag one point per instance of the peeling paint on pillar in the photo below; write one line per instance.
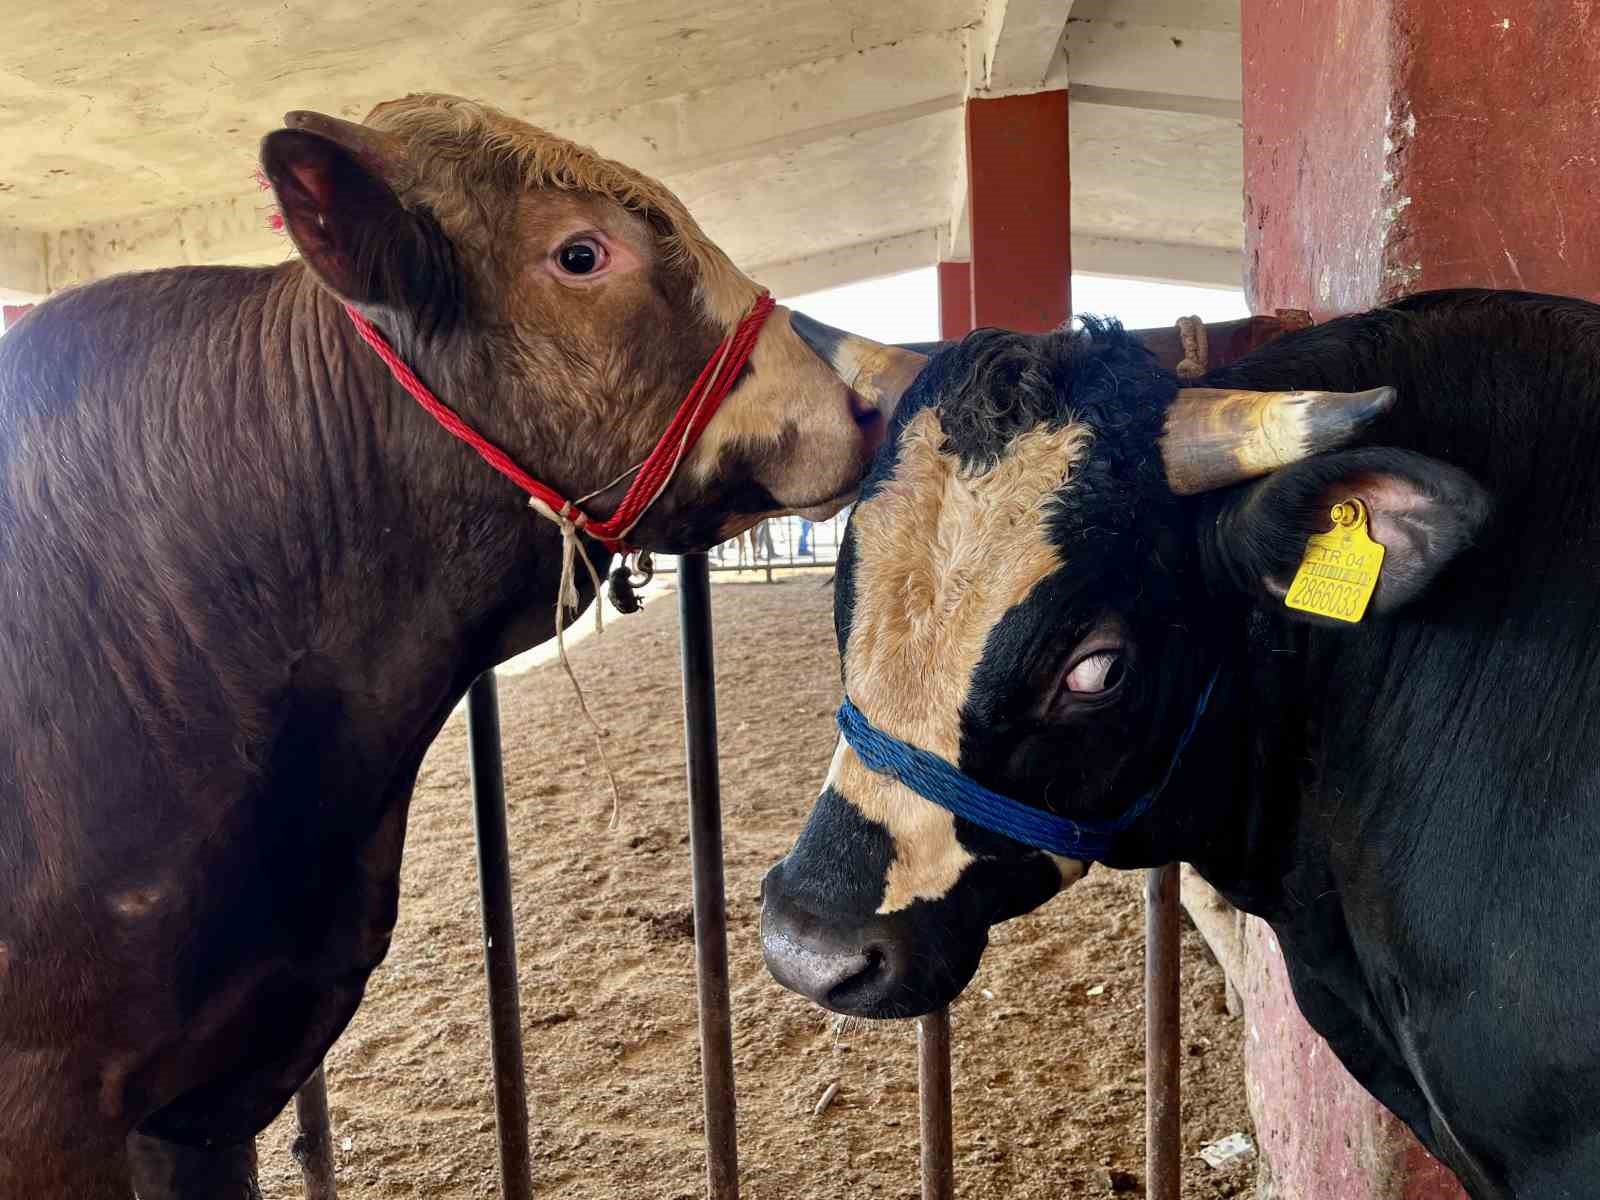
(1389, 148)
(1393, 146)
(1321, 1135)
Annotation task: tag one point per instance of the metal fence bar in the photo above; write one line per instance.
(499, 937)
(313, 1145)
(710, 900)
(1162, 1152)
(933, 1090)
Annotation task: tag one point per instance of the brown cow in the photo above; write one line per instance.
(244, 579)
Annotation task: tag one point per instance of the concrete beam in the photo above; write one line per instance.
(1173, 60)
(1019, 39)
(674, 136)
(225, 232)
(1157, 262)
(1167, 102)
(1015, 50)
(783, 110)
(958, 243)
(850, 264)
(24, 275)
(1218, 16)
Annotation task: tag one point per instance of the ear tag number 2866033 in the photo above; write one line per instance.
(1340, 569)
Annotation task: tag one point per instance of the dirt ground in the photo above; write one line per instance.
(1048, 1039)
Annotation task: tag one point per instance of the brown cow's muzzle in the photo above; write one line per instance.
(878, 375)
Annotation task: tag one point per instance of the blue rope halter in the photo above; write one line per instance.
(932, 778)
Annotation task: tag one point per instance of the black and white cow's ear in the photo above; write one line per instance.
(1423, 512)
(335, 184)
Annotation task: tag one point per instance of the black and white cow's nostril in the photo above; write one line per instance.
(863, 964)
(807, 957)
(824, 977)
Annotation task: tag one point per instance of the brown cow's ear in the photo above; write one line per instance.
(334, 192)
(1423, 512)
(379, 152)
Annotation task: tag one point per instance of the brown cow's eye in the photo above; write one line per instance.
(1099, 672)
(582, 257)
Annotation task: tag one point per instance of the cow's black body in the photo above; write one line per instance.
(1413, 802)
(1417, 800)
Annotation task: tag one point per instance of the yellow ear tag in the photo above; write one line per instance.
(1339, 572)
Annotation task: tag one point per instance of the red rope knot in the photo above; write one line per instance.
(702, 403)
(705, 397)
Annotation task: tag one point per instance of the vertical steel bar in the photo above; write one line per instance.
(933, 1090)
(313, 1145)
(710, 901)
(499, 937)
(1162, 1154)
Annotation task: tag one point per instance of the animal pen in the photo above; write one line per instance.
(1185, 347)
(905, 137)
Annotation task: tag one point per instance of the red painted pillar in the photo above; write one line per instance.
(955, 300)
(1018, 201)
(1393, 146)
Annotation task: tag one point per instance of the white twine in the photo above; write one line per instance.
(572, 549)
(567, 598)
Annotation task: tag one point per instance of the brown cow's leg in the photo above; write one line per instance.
(168, 1171)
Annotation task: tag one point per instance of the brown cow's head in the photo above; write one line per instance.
(1046, 565)
(565, 304)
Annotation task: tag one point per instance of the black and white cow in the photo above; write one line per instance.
(1059, 551)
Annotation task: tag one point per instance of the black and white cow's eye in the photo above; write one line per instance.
(1095, 673)
(581, 256)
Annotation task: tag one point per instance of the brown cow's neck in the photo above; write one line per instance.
(211, 462)
(410, 500)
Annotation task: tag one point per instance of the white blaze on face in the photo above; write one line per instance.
(940, 558)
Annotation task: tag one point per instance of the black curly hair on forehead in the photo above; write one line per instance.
(994, 385)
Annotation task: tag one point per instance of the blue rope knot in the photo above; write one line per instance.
(936, 780)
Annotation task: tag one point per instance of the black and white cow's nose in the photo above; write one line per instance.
(835, 968)
(818, 971)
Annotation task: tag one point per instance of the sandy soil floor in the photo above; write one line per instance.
(1049, 1039)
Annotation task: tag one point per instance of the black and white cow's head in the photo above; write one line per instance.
(1035, 587)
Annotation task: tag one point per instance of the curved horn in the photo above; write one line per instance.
(1215, 437)
(879, 374)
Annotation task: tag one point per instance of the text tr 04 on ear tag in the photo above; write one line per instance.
(1339, 572)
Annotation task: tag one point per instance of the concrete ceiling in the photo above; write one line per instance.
(818, 140)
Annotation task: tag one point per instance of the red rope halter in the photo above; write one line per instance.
(716, 380)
